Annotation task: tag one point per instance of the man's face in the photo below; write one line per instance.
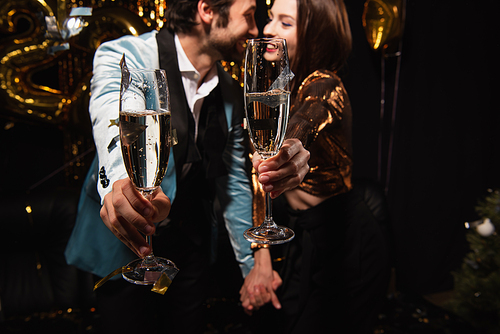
(230, 41)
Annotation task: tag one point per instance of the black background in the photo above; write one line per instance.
(446, 133)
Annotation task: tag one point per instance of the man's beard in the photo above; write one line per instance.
(227, 49)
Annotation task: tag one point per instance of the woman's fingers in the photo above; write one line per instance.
(284, 171)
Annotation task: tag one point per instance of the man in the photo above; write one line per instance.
(206, 169)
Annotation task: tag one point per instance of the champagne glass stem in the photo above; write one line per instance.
(268, 221)
(269, 207)
(150, 258)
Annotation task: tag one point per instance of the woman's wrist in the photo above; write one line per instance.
(262, 257)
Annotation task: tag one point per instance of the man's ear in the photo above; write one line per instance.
(205, 11)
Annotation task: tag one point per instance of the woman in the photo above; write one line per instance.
(328, 282)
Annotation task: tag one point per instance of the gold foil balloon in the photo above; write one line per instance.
(25, 57)
(383, 21)
(41, 86)
(22, 53)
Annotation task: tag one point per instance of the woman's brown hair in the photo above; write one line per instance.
(323, 36)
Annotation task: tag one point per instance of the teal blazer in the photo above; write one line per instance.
(92, 246)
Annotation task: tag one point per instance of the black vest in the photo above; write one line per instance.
(193, 208)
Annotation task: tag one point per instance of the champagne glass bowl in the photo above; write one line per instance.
(145, 138)
(267, 104)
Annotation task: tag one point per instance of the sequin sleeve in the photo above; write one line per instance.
(321, 118)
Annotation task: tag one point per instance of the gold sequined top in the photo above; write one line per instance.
(321, 117)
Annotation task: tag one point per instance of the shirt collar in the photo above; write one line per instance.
(187, 69)
(185, 65)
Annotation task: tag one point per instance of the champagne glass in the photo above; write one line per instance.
(145, 132)
(267, 103)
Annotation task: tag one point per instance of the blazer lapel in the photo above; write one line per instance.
(178, 103)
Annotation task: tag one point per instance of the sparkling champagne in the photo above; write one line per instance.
(267, 120)
(145, 140)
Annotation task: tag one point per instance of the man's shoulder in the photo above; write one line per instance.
(131, 40)
(140, 51)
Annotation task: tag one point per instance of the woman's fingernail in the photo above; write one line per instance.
(268, 187)
(146, 212)
(264, 178)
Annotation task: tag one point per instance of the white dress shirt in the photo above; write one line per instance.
(190, 76)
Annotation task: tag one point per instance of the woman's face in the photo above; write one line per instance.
(283, 24)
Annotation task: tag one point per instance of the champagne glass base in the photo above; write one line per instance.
(269, 235)
(147, 272)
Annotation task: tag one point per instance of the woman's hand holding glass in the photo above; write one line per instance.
(284, 171)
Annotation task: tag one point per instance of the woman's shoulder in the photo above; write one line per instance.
(322, 75)
(321, 82)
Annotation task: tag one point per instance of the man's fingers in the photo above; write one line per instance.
(277, 281)
(275, 301)
(255, 297)
(122, 228)
(140, 204)
(161, 206)
(247, 307)
(132, 206)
